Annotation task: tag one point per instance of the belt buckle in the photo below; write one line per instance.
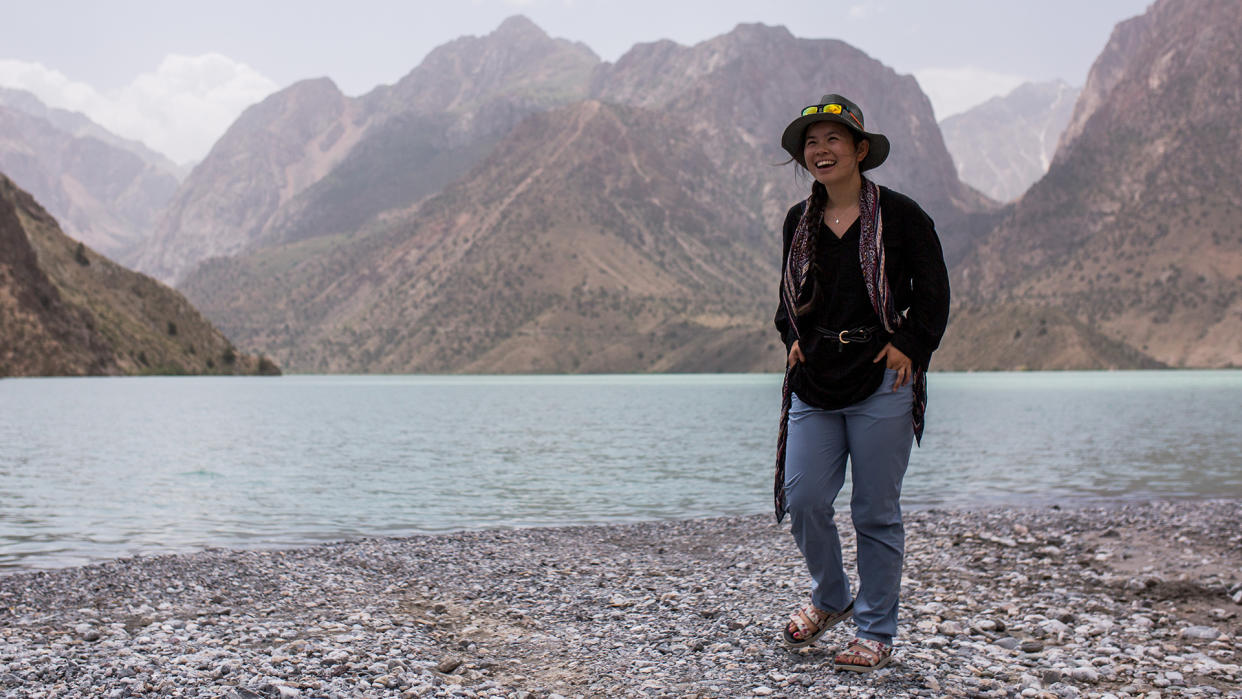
(841, 337)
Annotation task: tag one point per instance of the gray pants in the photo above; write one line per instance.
(876, 436)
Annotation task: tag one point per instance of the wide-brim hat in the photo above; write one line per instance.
(842, 111)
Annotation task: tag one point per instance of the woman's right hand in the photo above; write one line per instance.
(795, 355)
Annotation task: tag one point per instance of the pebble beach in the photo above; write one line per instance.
(1119, 600)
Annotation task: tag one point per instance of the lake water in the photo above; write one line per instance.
(92, 469)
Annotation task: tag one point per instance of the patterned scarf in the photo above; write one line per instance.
(794, 282)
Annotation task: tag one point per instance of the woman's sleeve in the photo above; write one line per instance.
(928, 315)
(782, 318)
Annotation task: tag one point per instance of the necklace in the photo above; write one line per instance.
(836, 220)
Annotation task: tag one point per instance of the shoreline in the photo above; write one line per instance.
(1127, 599)
(1022, 505)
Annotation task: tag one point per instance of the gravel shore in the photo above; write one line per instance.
(1121, 600)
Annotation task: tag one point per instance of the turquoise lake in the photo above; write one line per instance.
(92, 469)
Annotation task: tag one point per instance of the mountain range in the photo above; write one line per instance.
(1128, 252)
(376, 279)
(311, 161)
(1001, 147)
(104, 190)
(67, 310)
(516, 204)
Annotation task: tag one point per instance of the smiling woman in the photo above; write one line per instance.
(864, 301)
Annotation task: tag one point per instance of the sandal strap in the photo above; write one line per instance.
(870, 651)
(808, 620)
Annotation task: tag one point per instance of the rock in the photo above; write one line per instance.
(931, 609)
(1031, 646)
(448, 665)
(1055, 626)
(951, 628)
(1062, 615)
(1050, 676)
(1008, 642)
(1202, 633)
(336, 657)
(1086, 674)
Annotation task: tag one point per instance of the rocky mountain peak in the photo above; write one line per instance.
(1004, 145)
(519, 27)
(1133, 231)
(288, 114)
(80, 126)
(105, 190)
(274, 150)
(516, 59)
(742, 88)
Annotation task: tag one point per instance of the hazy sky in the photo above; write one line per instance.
(175, 74)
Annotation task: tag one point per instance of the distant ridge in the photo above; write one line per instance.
(106, 190)
(1004, 145)
(65, 310)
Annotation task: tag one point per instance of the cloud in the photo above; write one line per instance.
(954, 90)
(179, 109)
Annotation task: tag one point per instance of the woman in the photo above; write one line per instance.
(864, 302)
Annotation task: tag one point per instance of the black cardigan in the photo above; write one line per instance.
(835, 376)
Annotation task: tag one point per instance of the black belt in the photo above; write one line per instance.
(842, 338)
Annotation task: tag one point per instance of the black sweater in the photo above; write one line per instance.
(836, 375)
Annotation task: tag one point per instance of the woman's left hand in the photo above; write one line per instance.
(894, 359)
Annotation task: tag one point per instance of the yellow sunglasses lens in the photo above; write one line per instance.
(822, 109)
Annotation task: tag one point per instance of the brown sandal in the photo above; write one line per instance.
(863, 655)
(809, 623)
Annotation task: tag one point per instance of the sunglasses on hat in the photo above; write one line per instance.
(832, 109)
